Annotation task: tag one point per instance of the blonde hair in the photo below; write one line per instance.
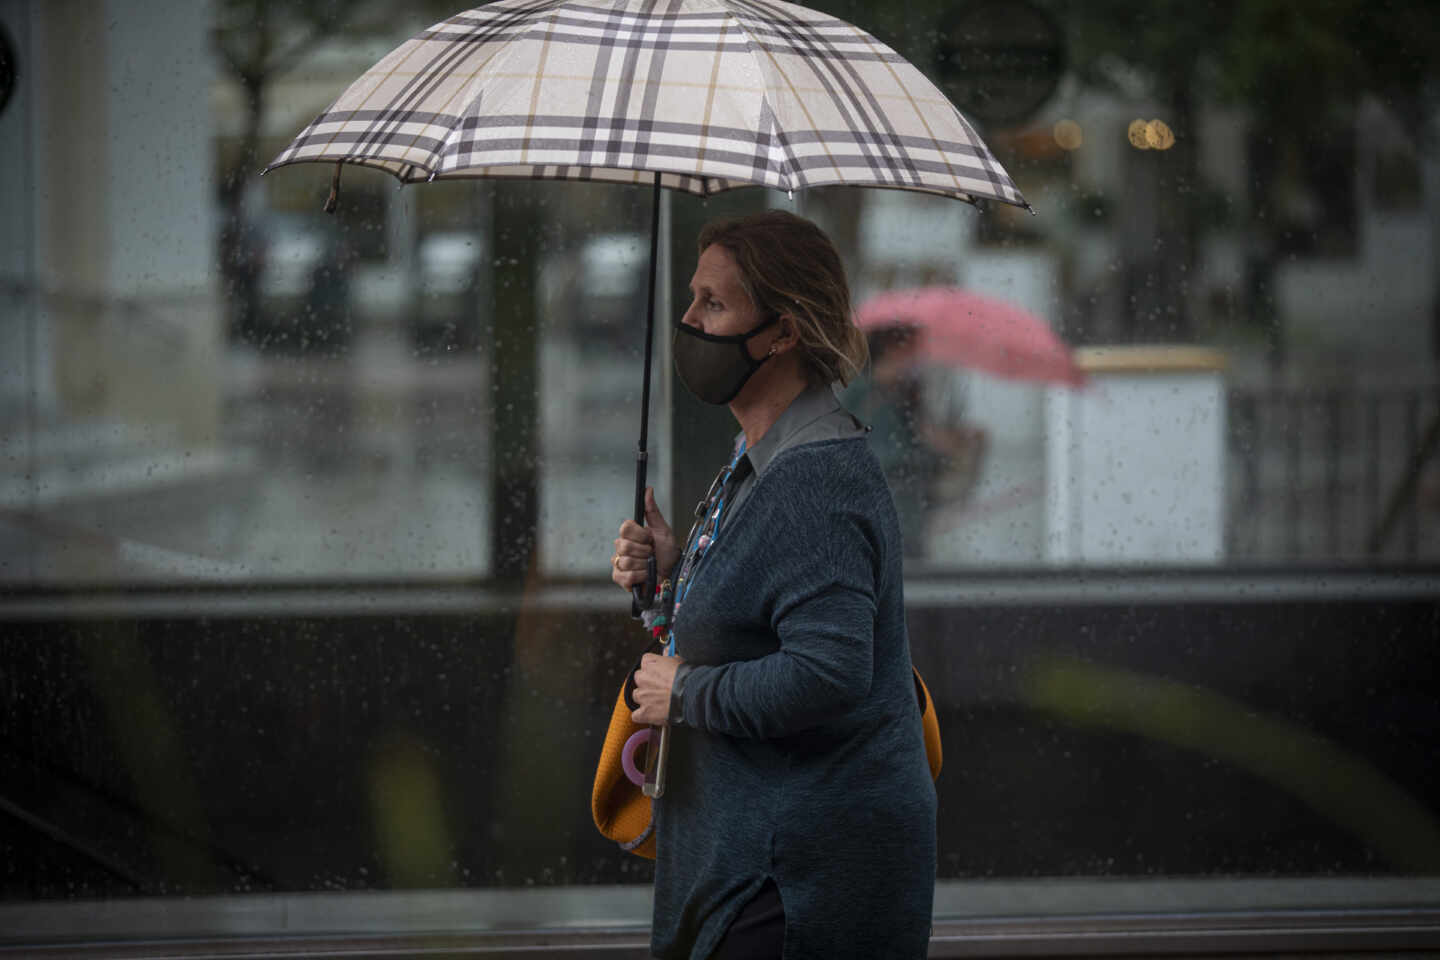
(789, 266)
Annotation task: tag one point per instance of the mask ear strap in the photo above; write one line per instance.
(744, 343)
(763, 325)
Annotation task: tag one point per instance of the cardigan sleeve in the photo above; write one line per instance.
(823, 613)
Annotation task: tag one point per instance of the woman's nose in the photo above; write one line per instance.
(691, 317)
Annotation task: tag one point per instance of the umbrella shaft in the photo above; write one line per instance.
(641, 597)
(640, 458)
(642, 454)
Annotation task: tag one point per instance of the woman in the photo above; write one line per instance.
(799, 813)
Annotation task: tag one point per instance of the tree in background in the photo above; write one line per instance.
(258, 42)
(1298, 69)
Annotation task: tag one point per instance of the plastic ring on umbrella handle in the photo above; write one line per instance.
(637, 740)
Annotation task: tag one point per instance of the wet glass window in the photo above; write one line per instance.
(306, 517)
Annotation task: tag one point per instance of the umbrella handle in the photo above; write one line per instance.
(642, 597)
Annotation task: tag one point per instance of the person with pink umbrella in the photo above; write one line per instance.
(961, 328)
(890, 401)
(928, 457)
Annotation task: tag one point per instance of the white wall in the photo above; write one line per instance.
(1137, 469)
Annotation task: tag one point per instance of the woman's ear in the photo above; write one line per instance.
(788, 337)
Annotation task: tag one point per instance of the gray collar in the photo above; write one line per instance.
(815, 414)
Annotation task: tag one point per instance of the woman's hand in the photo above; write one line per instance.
(652, 689)
(636, 544)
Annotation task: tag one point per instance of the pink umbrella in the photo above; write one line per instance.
(965, 329)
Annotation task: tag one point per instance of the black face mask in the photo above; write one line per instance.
(715, 368)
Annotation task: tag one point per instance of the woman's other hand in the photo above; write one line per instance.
(636, 544)
(652, 689)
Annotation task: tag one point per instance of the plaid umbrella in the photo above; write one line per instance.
(708, 94)
(693, 95)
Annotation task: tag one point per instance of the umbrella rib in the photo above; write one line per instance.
(855, 116)
(403, 103)
(535, 92)
(395, 112)
(595, 98)
(438, 156)
(920, 114)
(418, 88)
(340, 124)
(658, 57)
(794, 161)
(454, 137)
(986, 165)
(710, 99)
(630, 66)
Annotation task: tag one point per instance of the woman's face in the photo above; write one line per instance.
(720, 305)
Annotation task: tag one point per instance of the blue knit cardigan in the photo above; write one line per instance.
(800, 757)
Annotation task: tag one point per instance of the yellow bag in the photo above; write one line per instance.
(622, 811)
(929, 726)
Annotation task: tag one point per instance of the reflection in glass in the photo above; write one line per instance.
(1179, 622)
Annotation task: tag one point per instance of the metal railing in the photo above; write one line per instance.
(1333, 474)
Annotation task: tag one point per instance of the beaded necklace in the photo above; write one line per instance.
(703, 533)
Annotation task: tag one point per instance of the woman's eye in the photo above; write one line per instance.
(713, 305)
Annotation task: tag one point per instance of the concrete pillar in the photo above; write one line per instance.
(24, 352)
(123, 205)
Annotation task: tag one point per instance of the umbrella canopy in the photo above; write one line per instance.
(966, 329)
(709, 94)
